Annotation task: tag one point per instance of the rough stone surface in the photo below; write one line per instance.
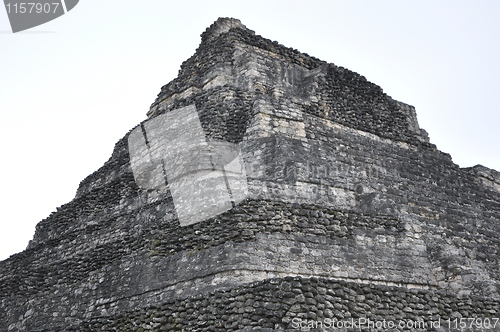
(351, 213)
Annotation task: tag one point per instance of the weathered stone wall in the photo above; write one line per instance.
(240, 59)
(286, 304)
(351, 213)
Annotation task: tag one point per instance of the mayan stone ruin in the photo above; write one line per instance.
(266, 190)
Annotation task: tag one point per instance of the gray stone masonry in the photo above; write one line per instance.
(346, 212)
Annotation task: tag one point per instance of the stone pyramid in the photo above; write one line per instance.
(266, 190)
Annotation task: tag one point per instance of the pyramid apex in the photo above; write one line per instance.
(222, 25)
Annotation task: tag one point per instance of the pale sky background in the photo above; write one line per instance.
(71, 88)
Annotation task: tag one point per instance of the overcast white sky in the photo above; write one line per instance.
(71, 88)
